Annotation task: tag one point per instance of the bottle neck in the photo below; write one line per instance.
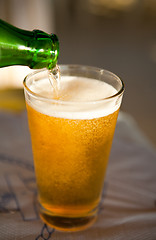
(35, 49)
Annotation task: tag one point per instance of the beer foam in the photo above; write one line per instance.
(79, 98)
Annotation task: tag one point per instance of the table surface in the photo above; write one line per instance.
(128, 209)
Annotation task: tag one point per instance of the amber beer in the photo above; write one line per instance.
(71, 149)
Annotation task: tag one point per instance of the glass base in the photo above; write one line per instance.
(68, 223)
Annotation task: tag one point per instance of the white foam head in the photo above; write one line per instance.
(79, 98)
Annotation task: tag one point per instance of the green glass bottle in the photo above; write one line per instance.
(35, 49)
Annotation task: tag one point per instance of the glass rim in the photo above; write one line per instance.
(43, 98)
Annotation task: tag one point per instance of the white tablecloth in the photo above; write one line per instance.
(128, 209)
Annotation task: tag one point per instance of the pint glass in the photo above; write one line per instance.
(71, 141)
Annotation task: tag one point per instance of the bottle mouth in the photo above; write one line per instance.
(45, 50)
(54, 51)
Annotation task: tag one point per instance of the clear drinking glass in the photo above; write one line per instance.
(71, 142)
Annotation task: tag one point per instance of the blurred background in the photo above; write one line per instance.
(117, 35)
